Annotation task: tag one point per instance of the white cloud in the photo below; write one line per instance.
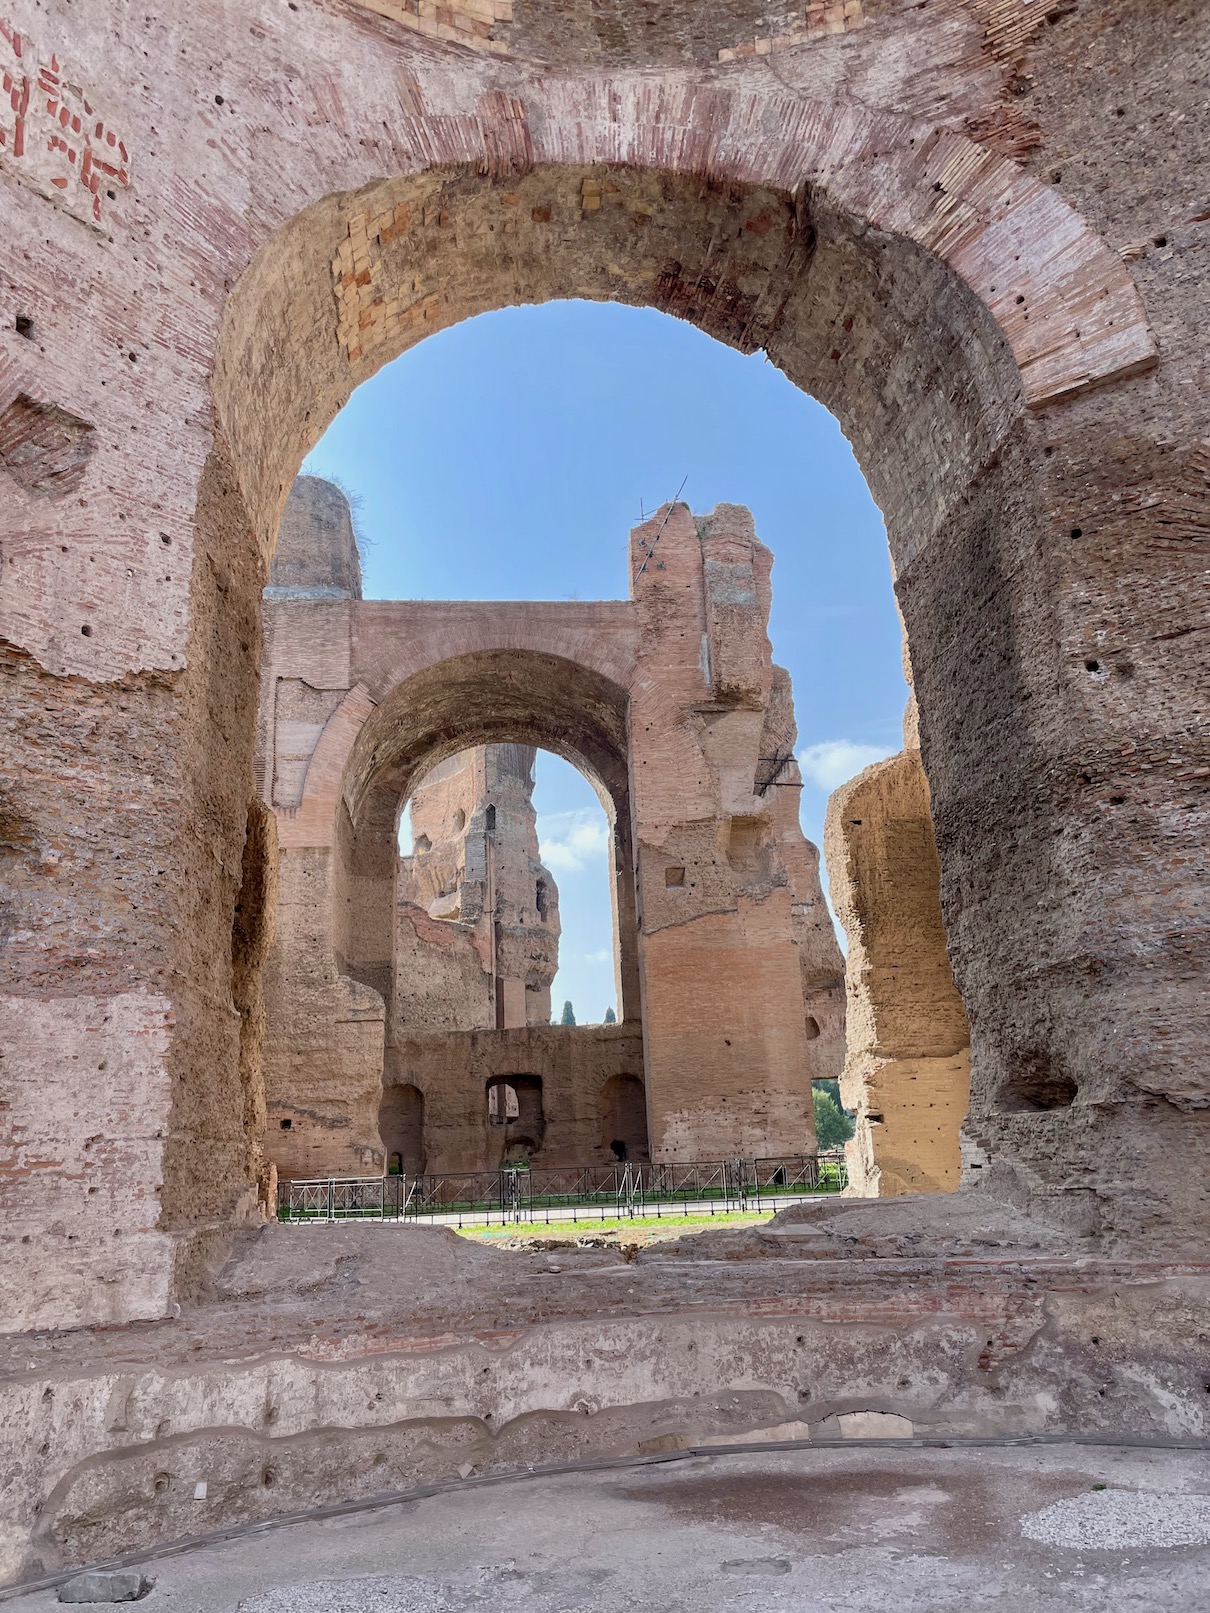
(406, 846)
(835, 761)
(570, 841)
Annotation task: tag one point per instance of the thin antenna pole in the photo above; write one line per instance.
(676, 500)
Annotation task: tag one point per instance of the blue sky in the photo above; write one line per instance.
(508, 458)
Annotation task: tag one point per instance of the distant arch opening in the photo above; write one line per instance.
(516, 1118)
(401, 1126)
(623, 1119)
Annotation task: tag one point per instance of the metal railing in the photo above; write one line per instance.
(575, 1193)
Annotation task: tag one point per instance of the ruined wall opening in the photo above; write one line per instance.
(506, 895)
(623, 1119)
(432, 970)
(909, 345)
(526, 480)
(516, 1121)
(474, 959)
(511, 1004)
(401, 1126)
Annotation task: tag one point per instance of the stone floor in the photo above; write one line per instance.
(1065, 1526)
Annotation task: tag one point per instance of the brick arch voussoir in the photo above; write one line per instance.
(1066, 303)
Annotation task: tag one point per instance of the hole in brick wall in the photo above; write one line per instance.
(1036, 1085)
(43, 447)
(25, 327)
(287, 1125)
(502, 1104)
(1092, 666)
(812, 1027)
(674, 876)
(86, 630)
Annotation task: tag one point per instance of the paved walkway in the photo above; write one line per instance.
(1043, 1529)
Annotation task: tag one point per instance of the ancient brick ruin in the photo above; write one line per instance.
(399, 994)
(476, 912)
(907, 1070)
(976, 231)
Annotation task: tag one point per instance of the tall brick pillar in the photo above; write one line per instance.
(730, 1048)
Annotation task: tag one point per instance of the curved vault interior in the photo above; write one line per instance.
(480, 698)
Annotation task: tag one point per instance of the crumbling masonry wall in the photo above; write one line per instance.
(731, 980)
(907, 1065)
(969, 230)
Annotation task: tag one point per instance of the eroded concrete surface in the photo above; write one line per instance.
(916, 1530)
(335, 1363)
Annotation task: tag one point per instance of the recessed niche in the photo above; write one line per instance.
(1036, 1088)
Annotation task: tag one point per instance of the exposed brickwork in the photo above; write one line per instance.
(43, 448)
(52, 133)
(479, 24)
(823, 18)
(732, 970)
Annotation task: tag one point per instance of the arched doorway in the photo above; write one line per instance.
(622, 1108)
(401, 1126)
(970, 385)
(982, 344)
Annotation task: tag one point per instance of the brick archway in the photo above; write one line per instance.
(937, 299)
(893, 241)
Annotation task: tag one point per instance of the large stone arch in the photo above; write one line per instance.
(490, 696)
(937, 299)
(331, 977)
(981, 339)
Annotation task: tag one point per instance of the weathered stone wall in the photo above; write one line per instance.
(576, 1106)
(907, 1066)
(723, 938)
(968, 229)
(477, 929)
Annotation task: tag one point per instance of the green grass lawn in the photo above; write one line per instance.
(640, 1226)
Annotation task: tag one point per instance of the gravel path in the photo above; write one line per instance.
(1109, 1520)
